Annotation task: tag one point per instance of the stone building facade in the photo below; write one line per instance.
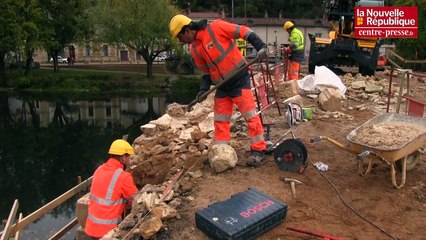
(269, 29)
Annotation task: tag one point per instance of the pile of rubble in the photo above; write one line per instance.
(371, 92)
(168, 156)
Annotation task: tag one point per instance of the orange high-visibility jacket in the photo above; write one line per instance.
(214, 49)
(112, 188)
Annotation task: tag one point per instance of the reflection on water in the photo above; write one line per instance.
(45, 144)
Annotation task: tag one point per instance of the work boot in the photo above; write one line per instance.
(255, 158)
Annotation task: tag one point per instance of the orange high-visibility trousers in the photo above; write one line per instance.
(223, 108)
(293, 70)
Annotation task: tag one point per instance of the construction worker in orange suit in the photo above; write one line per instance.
(215, 53)
(111, 192)
(296, 49)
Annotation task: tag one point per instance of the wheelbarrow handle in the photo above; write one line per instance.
(221, 83)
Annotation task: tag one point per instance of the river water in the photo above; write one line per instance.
(47, 142)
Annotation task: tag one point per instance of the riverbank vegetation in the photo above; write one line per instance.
(80, 81)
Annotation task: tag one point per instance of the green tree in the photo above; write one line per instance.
(414, 48)
(65, 22)
(142, 25)
(10, 32)
(32, 13)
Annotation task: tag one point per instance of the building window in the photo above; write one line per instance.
(108, 111)
(90, 111)
(87, 51)
(105, 50)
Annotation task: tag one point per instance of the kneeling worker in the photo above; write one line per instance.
(112, 190)
(296, 49)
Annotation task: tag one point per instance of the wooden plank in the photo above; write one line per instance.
(18, 233)
(51, 205)
(8, 228)
(64, 230)
(396, 55)
(394, 63)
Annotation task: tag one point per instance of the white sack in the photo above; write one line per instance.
(322, 79)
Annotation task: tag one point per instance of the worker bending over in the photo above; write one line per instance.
(215, 53)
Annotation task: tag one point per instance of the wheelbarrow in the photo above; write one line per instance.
(407, 135)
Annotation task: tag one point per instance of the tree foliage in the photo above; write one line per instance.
(33, 16)
(10, 32)
(414, 48)
(64, 23)
(142, 25)
(257, 9)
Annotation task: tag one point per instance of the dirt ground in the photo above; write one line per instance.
(339, 202)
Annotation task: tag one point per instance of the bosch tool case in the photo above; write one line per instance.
(244, 216)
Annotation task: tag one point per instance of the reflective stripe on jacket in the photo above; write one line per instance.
(112, 188)
(297, 40)
(214, 49)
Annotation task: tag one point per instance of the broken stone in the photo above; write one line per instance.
(82, 209)
(168, 197)
(177, 124)
(176, 110)
(207, 125)
(186, 186)
(150, 227)
(197, 134)
(288, 89)
(163, 123)
(148, 200)
(222, 157)
(149, 129)
(372, 88)
(158, 149)
(196, 174)
(186, 134)
(175, 202)
(331, 99)
(295, 99)
(164, 212)
(358, 85)
(149, 188)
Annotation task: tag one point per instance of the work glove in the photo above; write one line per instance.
(201, 92)
(262, 53)
(287, 49)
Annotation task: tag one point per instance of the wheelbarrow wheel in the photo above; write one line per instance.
(412, 160)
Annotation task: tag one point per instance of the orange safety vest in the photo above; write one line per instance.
(214, 49)
(112, 188)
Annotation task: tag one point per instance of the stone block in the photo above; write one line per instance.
(82, 209)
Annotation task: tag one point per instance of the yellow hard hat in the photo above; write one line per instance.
(177, 23)
(120, 147)
(288, 25)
